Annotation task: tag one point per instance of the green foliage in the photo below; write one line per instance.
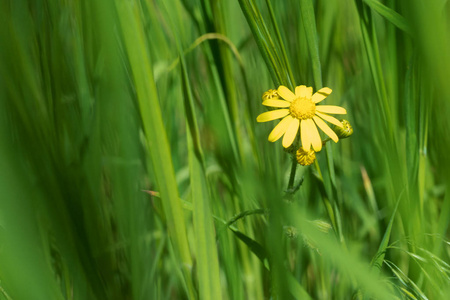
(132, 165)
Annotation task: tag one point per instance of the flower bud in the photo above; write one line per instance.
(345, 131)
(305, 158)
(270, 95)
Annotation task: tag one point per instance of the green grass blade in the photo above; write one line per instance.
(20, 232)
(389, 14)
(309, 21)
(295, 288)
(207, 258)
(286, 63)
(141, 69)
(255, 247)
(334, 253)
(371, 46)
(444, 221)
(262, 43)
(378, 259)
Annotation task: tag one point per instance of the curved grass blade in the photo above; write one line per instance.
(390, 15)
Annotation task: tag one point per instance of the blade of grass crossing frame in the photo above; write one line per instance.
(207, 258)
(141, 69)
(389, 14)
(309, 21)
(284, 56)
(274, 51)
(371, 46)
(261, 41)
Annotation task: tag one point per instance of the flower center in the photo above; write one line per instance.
(302, 108)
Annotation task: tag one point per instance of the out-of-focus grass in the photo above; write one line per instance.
(129, 173)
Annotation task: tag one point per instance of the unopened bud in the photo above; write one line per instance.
(270, 95)
(345, 131)
(305, 158)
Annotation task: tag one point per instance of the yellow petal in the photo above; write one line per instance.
(330, 119)
(321, 94)
(308, 93)
(303, 91)
(285, 93)
(325, 128)
(276, 103)
(272, 115)
(280, 129)
(291, 132)
(331, 109)
(300, 91)
(304, 136)
(313, 134)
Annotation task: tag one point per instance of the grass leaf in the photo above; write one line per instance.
(389, 14)
(207, 258)
(378, 259)
(141, 69)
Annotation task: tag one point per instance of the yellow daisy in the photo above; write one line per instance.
(300, 111)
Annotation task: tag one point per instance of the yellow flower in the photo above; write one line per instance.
(299, 111)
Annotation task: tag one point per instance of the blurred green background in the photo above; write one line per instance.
(132, 165)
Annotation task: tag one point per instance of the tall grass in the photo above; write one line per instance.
(132, 166)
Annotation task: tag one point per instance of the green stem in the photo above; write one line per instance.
(292, 176)
(326, 201)
(294, 168)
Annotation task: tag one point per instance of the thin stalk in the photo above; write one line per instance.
(292, 175)
(326, 201)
